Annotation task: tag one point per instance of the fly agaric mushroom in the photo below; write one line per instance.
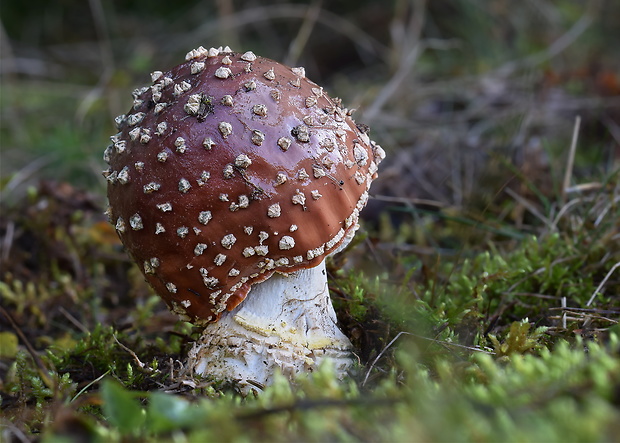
(231, 179)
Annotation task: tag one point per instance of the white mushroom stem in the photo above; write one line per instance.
(286, 323)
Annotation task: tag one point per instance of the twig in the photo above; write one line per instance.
(374, 362)
(73, 320)
(531, 294)
(580, 316)
(600, 286)
(43, 370)
(586, 310)
(142, 367)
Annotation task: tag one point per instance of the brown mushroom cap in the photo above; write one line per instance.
(231, 167)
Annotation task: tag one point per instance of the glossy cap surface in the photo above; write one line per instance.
(231, 167)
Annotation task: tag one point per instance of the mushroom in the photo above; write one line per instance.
(230, 180)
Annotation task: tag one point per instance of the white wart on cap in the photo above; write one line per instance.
(231, 167)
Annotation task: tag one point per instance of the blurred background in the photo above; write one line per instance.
(462, 94)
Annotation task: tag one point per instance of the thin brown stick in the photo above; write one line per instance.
(73, 320)
(43, 370)
(141, 366)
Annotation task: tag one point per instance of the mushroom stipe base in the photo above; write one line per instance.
(288, 324)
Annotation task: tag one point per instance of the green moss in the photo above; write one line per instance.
(559, 395)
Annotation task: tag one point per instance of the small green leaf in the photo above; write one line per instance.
(167, 412)
(121, 408)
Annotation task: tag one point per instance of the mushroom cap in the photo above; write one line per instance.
(231, 167)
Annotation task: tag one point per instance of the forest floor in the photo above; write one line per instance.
(482, 293)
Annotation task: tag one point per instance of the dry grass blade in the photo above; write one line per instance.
(530, 207)
(23, 175)
(226, 12)
(93, 382)
(558, 46)
(570, 161)
(305, 30)
(564, 210)
(107, 58)
(407, 57)
(441, 342)
(378, 357)
(603, 213)
(7, 241)
(600, 286)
